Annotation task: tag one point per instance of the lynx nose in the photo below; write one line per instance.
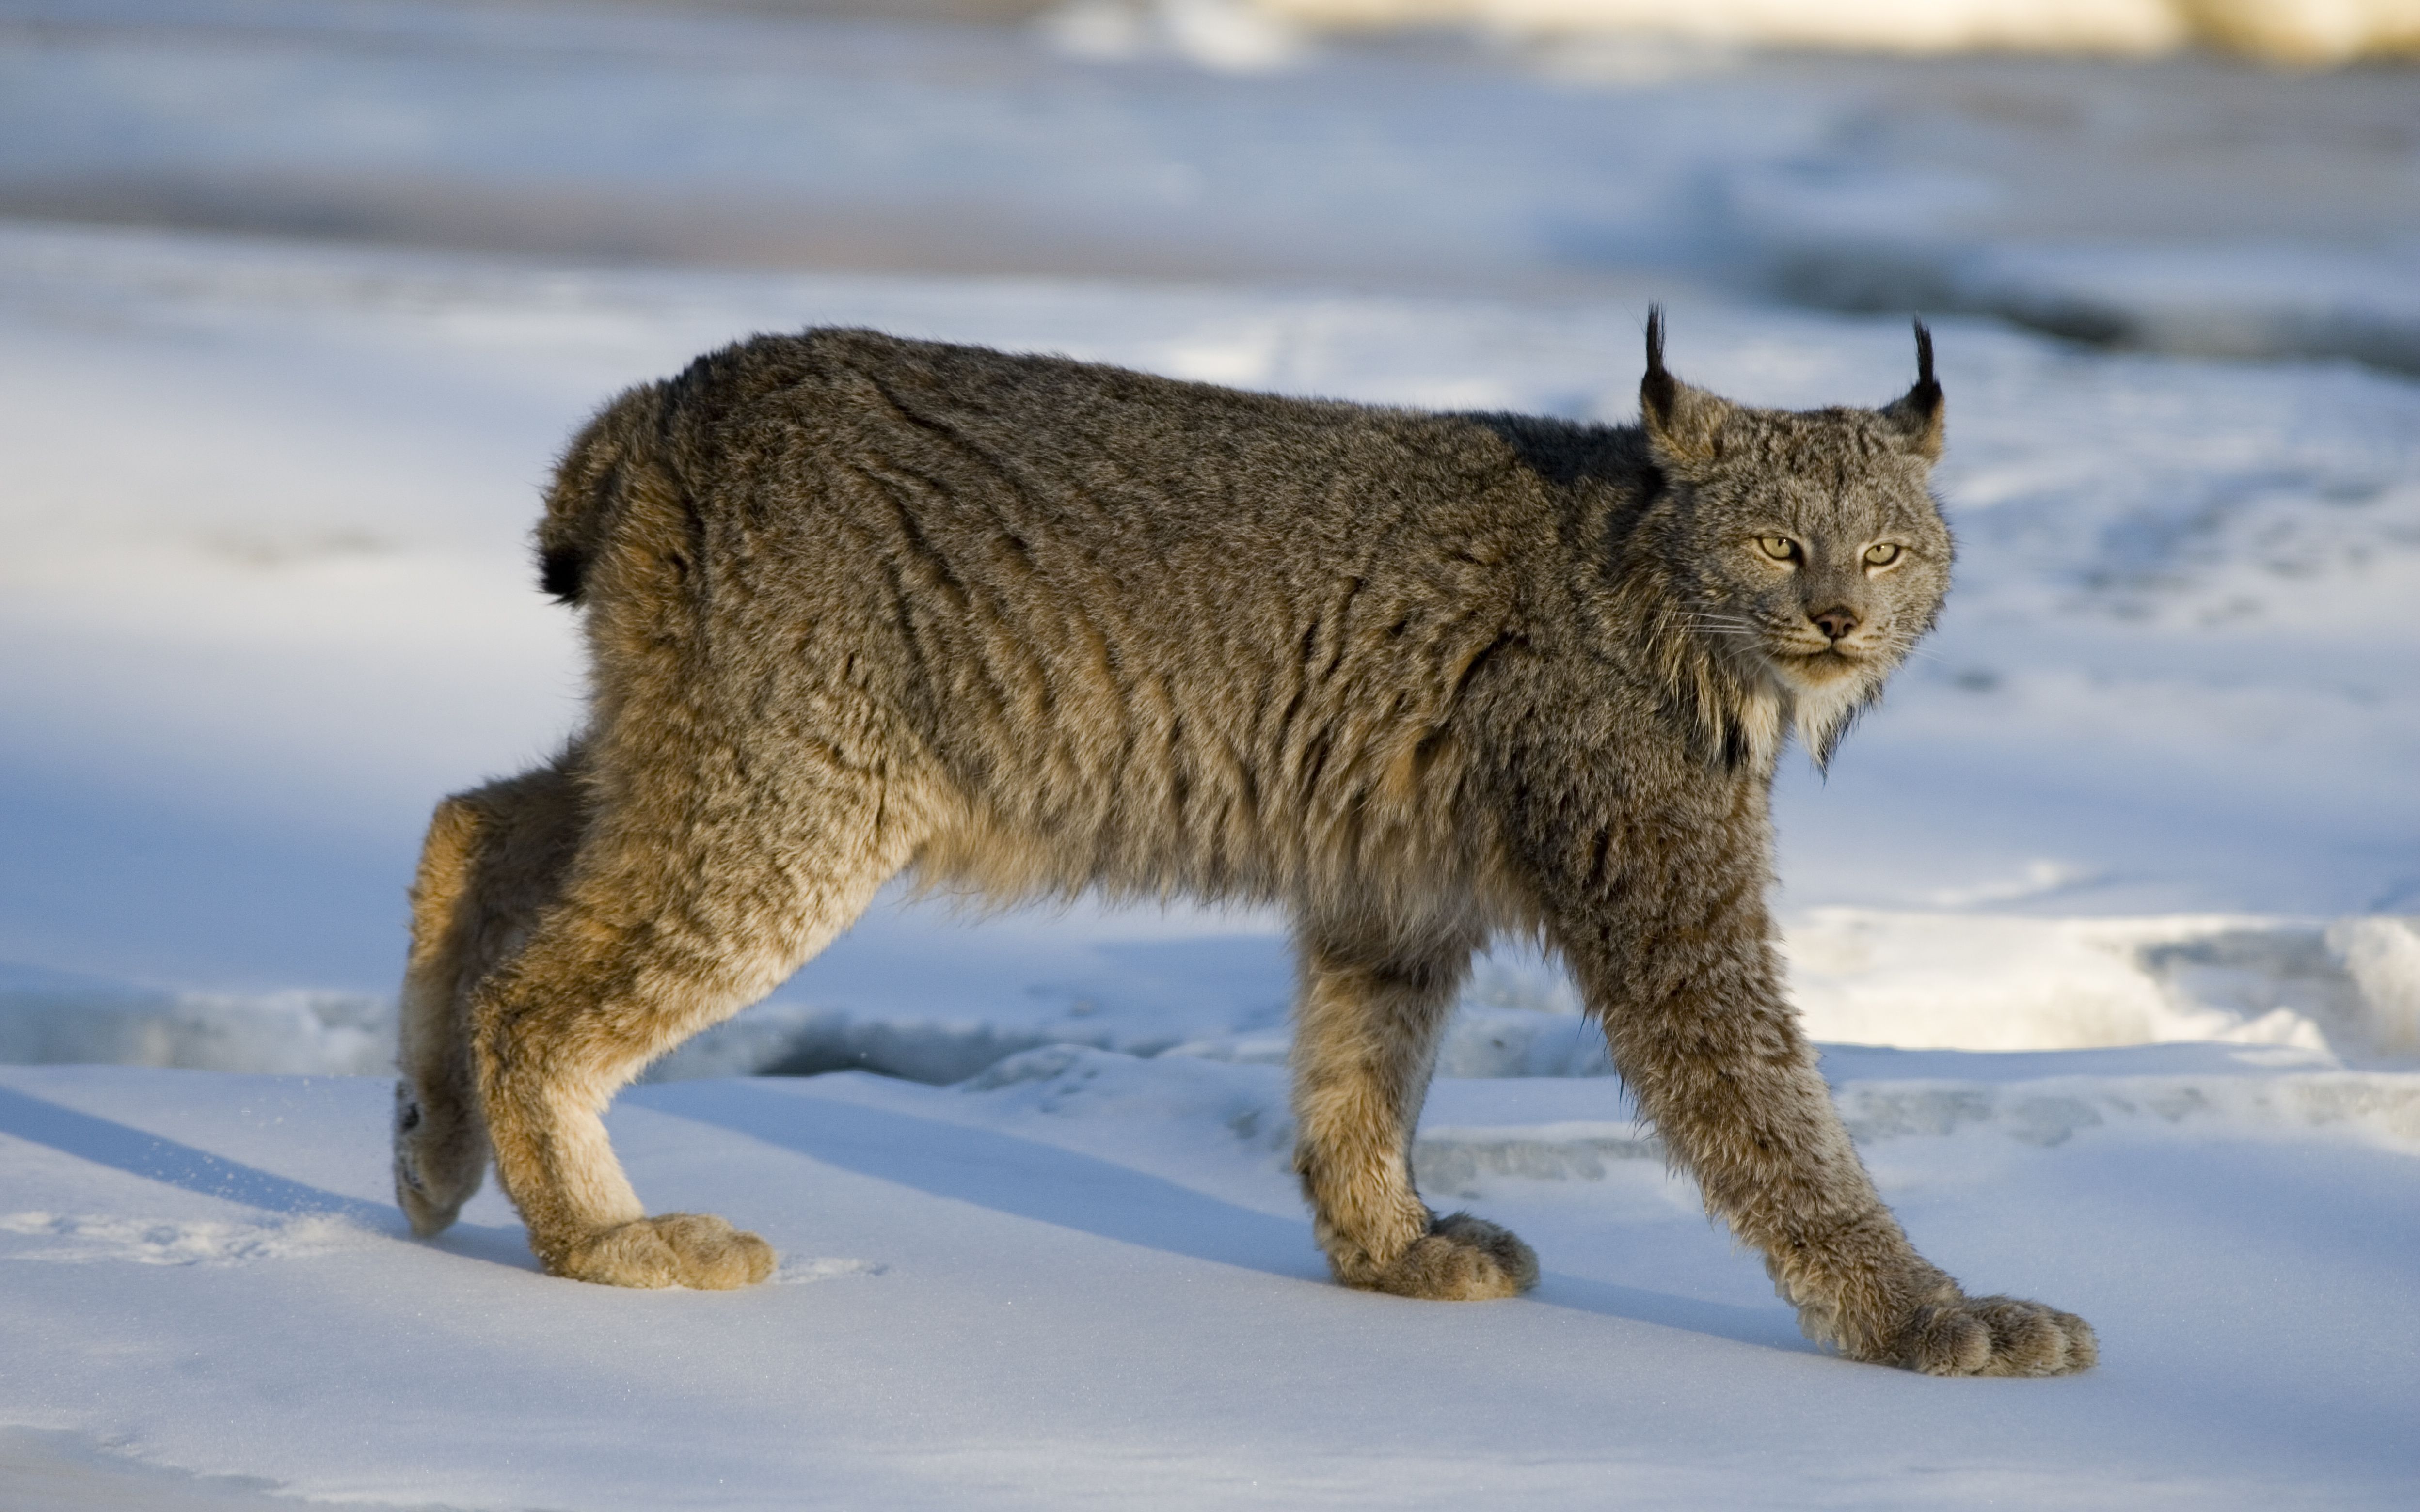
(1836, 623)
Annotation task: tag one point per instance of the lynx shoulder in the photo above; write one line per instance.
(857, 605)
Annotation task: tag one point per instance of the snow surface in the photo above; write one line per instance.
(2107, 917)
(1084, 1279)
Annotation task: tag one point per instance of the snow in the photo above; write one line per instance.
(2225, 302)
(2297, 31)
(1270, 34)
(1084, 1280)
(2109, 919)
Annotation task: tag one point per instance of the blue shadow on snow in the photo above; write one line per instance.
(1029, 1179)
(122, 1147)
(107, 1142)
(1020, 1177)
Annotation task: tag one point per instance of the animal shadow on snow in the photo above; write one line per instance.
(1026, 1178)
(125, 1147)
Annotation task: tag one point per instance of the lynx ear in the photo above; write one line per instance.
(1684, 423)
(1917, 413)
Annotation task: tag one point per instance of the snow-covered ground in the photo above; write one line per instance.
(2141, 820)
(1082, 1280)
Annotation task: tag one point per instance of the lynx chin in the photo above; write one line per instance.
(857, 605)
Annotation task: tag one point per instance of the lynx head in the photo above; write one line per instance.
(1805, 548)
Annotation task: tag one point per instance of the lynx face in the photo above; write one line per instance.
(1825, 584)
(1811, 548)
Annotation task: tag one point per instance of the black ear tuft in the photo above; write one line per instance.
(1926, 396)
(1657, 392)
(1684, 425)
(1917, 413)
(559, 573)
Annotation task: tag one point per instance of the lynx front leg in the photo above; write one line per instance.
(1365, 1042)
(1743, 1108)
(1679, 965)
(494, 858)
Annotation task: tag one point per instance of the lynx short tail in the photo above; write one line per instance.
(618, 450)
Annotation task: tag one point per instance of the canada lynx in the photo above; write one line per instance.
(856, 605)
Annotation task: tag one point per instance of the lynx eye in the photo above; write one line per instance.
(1779, 547)
(1882, 553)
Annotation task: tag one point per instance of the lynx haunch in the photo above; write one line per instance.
(856, 605)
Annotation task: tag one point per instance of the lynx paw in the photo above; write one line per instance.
(1996, 1337)
(439, 1162)
(1461, 1259)
(677, 1249)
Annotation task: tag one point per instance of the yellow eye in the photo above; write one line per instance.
(1882, 553)
(1779, 547)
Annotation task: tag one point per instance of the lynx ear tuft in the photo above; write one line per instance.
(1917, 413)
(1684, 423)
(1655, 391)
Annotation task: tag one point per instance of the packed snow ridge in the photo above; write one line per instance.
(2350, 989)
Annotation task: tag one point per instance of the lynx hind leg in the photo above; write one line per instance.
(1365, 1042)
(494, 858)
(657, 936)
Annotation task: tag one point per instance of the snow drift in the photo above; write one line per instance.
(1956, 981)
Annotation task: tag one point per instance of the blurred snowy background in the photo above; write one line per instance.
(301, 295)
(298, 299)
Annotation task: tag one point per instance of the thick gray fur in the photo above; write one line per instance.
(856, 605)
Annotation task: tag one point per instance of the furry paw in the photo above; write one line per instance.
(1461, 1259)
(677, 1249)
(1995, 1337)
(440, 1158)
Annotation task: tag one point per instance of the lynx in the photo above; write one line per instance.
(856, 605)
